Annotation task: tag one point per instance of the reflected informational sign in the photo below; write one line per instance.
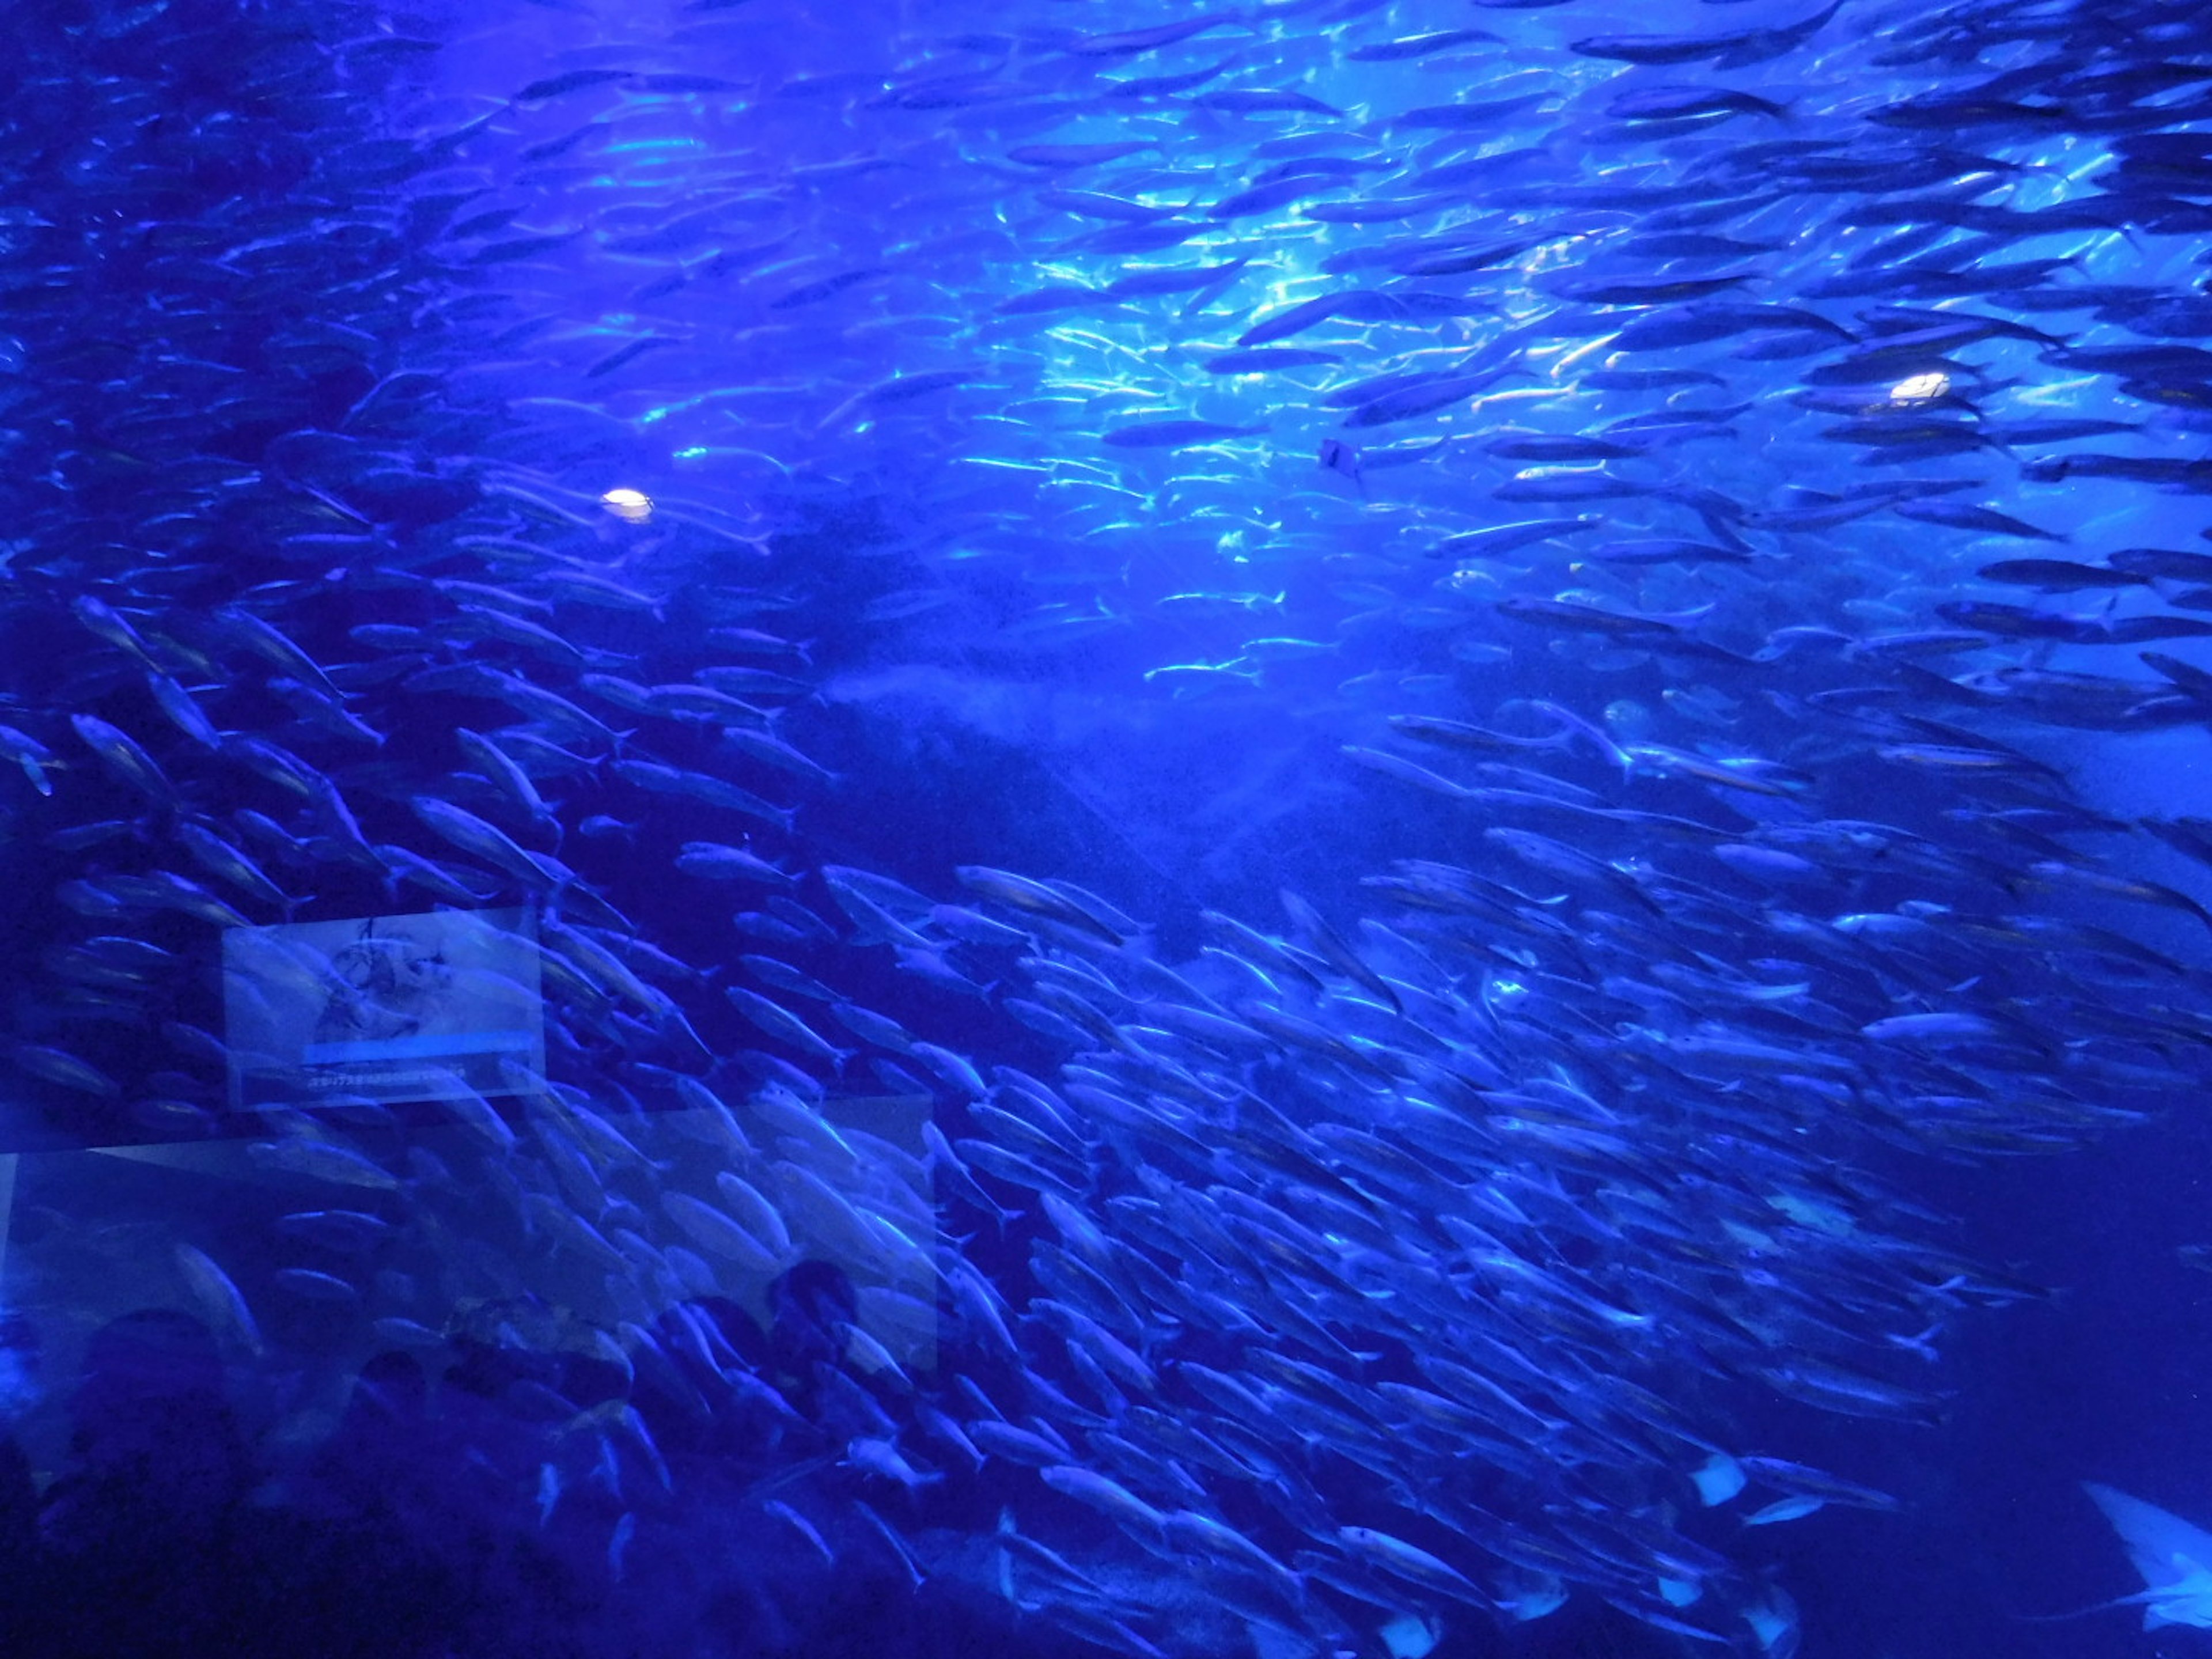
(434, 1006)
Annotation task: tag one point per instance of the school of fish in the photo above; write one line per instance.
(1622, 583)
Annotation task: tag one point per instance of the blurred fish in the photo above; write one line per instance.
(1512, 1180)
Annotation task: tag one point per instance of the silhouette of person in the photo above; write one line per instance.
(139, 1531)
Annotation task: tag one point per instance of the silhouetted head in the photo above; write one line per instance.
(807, 1305)
(153, 1428)
(153, 1354)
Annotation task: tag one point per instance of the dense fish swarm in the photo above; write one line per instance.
(1661, 536)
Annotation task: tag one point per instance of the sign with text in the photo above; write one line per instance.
(432, 1006)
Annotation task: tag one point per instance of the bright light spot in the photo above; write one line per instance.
(1920, 388)
(630, 506)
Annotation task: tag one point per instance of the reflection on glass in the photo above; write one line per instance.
(386, 1008)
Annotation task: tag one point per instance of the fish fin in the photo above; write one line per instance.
(2168, 1552)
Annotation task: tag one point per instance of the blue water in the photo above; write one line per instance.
(1320, 829)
